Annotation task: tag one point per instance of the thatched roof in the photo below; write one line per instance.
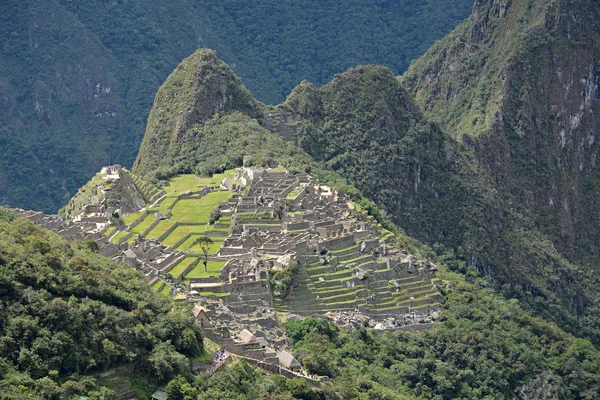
(288, 360)
(247, 337)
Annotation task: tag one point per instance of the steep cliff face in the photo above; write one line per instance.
(518, 83)
(201, 87)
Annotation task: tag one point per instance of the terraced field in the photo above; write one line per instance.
(198, 210)
(187, 247)
(180, 268)
(194, 212)
(322, 288)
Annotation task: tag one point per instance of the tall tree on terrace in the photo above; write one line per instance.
(204, 242)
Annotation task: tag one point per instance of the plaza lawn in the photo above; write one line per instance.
(181, 267)
(214, 268)
(198, 210)
(185, 247)
(180, 232)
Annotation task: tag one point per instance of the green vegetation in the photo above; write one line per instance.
(67, 312)
(498, 93)
(213, 268)
(240, 382)
(181, 231)
(182, 266)
(364, 129)
(198, 210)
(142, 226)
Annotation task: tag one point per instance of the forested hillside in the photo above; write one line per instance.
(67, 312)
(77, 79)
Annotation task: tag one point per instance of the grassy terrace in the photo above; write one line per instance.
(182, 266)
(294, 193)
(181, 231)
(214, 268)
(214, 294)
(166, 203)
(198, 210)
(157, 285)
(119, 236)
(166, 291)
(145, 224)
(182, 183)
(160, 228)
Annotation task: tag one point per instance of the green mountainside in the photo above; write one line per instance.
(518, 83)
(481, 157)
(364, 129)
(76, 76)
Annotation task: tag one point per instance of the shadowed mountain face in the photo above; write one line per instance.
(364, 127)
(77, 79)
(518, 83)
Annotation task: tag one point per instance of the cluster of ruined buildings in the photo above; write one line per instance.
(88, 217)
(278, 219)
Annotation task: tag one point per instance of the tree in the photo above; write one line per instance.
(204, 242)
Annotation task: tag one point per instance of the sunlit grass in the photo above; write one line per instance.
(214, 268)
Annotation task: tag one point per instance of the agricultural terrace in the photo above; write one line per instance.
(192, 211)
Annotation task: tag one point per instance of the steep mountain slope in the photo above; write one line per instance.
(81, 75)
(200, 87)
(518, 83)
(364, 127)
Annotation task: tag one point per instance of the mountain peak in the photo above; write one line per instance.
(200, 87)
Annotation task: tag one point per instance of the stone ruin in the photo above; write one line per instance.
(348, 268)
(280, 218)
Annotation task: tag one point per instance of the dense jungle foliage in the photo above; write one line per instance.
(67, 312)
(76, 76)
